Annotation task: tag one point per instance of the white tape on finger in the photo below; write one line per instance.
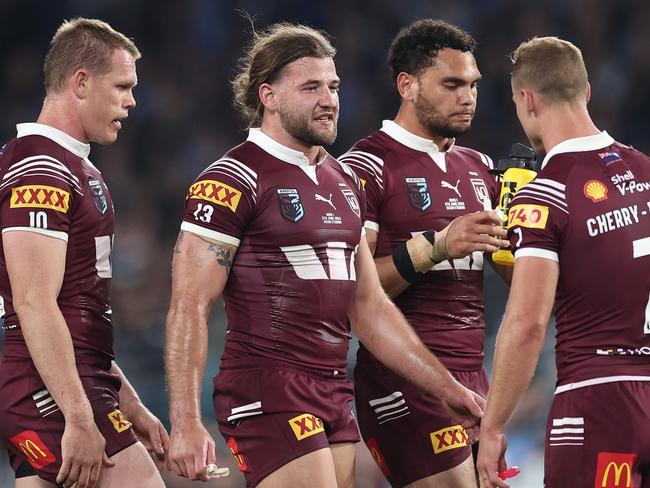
(216, 472)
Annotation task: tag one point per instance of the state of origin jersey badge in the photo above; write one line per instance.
(418, 192)
(290, 204)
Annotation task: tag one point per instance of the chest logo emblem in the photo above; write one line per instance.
(320, 198)
(352, 201)
(290, 204)
(418, 192)
(444, 184)
(481, 191)
(97, 193)
(595, 190)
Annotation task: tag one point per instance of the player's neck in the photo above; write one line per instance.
(276, 132)
(56, 112)
(408, 120)
(563, 123)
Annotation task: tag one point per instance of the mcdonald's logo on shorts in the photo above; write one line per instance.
(30, 445)
(306, 425)
(40, 196)
(376, 454)
(119, 422)
(234, 449)
(614, 470)
(448, 438)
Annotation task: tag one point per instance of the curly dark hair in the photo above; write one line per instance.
(415, 47)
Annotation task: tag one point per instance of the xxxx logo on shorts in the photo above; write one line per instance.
(30, 445)
(40, 196)
(119, 422)
(448, 438)
(215, 192)
(306, 425)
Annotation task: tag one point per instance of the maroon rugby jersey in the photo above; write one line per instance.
(297, 228)
(413, 187)
(48, 186)
(589, 209)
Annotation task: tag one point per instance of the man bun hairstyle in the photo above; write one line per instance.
(269, 52)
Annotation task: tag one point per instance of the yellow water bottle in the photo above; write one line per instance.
(515, 171)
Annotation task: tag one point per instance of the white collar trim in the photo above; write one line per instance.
(403, 136)
(580, 144)
(280, 151)
(61, 138)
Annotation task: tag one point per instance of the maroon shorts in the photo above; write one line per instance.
(32, 424)
(408, 432)
(272, 416)
(599, 436)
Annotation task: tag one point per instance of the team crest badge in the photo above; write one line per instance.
(418, 191)
(290, 204)
(352, 200)
(97, 192)
(481, 191)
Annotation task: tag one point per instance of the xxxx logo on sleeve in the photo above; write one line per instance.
(215, 192)
(40, 196)
(119, 422)
(306, 425)
(448, 438)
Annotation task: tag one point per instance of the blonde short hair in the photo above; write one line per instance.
(552, 67)
(82, 43)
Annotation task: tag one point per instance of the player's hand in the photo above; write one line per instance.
(466, 408)
(151, 433)
(83, 455)
(478, 231)
(191, 450)
(491, 459)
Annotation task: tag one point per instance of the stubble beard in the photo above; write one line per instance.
(431, 120)
(298, 127)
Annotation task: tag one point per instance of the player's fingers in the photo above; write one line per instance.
(212, 456)
(64, 471)
(73, 476)
(106, 461)
(200, 464)
(486, 216)
(83, 481)
(93, 474)
(164, 439)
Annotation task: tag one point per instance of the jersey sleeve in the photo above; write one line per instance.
(38, 194)
(369, 169)
(220, 201)
(537, 217)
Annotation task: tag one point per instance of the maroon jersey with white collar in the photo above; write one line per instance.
(589, 209)
(48, 186)
(413, 187)
(297, 228)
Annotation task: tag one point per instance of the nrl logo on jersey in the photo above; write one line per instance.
(418, 192)
(97, 192)
(290, 204)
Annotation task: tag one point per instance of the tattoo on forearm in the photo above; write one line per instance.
(223, 255)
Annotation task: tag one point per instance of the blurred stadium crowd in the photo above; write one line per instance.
(184, 120)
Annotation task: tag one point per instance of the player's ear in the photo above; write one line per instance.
(531, 100)
(407, 86)
(80, 83)
(268, 96)
(588, 97)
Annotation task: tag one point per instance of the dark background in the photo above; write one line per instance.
(184, 120)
